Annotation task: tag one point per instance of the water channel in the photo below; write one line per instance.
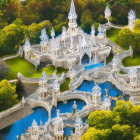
(40, 113)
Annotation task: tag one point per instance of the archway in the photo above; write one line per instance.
(85, 59)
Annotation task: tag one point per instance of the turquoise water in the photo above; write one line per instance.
(19, 127)
(67, 131)
(93, 66)
(67, 107)
(112, 90)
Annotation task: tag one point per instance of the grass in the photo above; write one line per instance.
(134, 61)
(27, 69)
(112, 34)
(119, 51)
(121, 72)
(65, 86)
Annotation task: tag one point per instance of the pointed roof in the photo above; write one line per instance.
(43, 77)
(72, 8)
(52, 32)
(72, 13)
(100, 29)
(27, 42)
(34, 124)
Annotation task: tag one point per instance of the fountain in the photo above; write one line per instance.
(96, 59)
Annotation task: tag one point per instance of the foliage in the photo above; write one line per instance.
(26, 19)
(65, 85)
(14, 35)
(125, 37)
(8, 96)
(120, 124)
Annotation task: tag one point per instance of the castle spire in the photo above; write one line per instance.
(72, 13)
(72, 8)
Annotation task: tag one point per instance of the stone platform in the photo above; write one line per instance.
(15, 116)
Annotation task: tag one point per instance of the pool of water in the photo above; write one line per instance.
(85, 62)
(67, 107)
(93, 66)
(67, 131)
(112, 90)
(19, 127)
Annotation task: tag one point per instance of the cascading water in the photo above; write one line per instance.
(96, 59)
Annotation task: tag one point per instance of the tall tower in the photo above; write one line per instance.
(131, 19)
(107, 13)
(27, 48)
(58, 127)
(34, 131)
(72, 16)
(78, 127)
(43, 86)
(44, 40)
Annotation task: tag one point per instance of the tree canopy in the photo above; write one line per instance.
(8, 96)
(122, 123)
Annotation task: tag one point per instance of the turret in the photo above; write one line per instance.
(107, 13)
(131, 19)
(43, 86)
(56, 87)
(78, 127)
(44, 40)
(34, 131)
(106, 104)
(58, 127)
(96, 94)
(52, 34)
(27, 48)
(101, 33)
(72, 16)
(93, 39)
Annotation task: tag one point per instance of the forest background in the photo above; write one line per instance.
(21, 19)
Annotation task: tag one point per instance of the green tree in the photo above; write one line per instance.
(18, 21)
(95, 134)
(102, 119)
(136, 33)
(8, 96)
(125, 37)
(86, 20)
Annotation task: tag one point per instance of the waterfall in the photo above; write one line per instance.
(96, 59)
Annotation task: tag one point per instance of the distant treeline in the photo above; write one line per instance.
(27, 16)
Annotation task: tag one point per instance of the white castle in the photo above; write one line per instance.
(70, 48)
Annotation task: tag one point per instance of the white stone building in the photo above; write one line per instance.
(71, 48)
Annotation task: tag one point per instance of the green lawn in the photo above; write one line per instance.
(112, 34)
(134, 61)
(65, 85)
(21, 65)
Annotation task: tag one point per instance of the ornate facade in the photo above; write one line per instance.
(70, 48)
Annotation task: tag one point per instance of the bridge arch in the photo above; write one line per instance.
(41, 104)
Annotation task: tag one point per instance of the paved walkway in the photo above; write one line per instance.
(15, 116)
